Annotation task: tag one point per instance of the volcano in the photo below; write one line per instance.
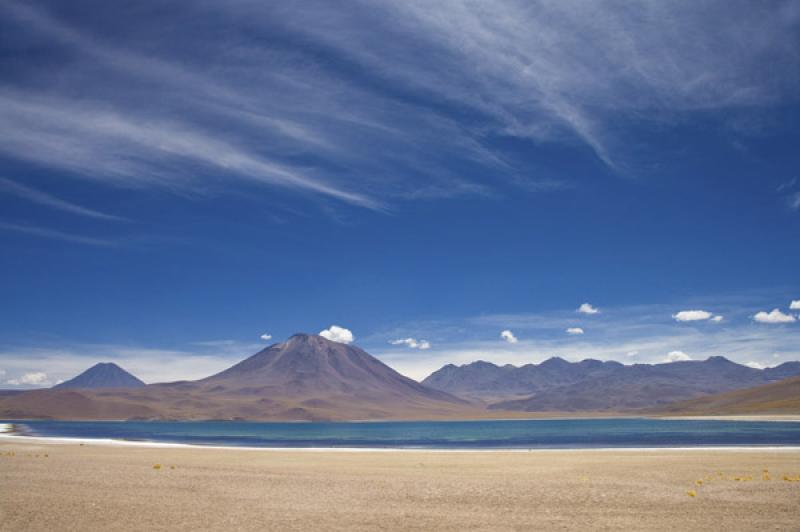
(307, 377)
(103, 375)
(309, 365)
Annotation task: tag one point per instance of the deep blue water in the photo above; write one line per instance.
(562, 433)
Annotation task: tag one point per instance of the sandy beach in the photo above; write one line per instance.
(74, 486)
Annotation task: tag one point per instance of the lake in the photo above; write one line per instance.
(495, 434)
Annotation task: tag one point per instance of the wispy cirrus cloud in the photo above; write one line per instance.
(379, 103)
(260, 112)
(56, 235)
(789, 190)
(547, 71)
(37, 196)
(86, 140)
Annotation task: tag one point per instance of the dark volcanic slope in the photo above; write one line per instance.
(590, 385)
(103, 375)
(306, 377)
(782, 397)
(307, 366)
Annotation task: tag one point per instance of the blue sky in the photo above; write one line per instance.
(177, 180)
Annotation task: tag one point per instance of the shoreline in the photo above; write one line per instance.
(110, 442)
(781, 418)
(786, 418)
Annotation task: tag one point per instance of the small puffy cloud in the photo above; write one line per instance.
(776, 316)
(413, 343)
(755, 365)
(677, 356)
(266, 336)
(692, 315)
(717, 319)
(631, 353)
(795, 305)
(587, 308)
(574, 330)
(509, 337)
(32, 378)
(334, 333)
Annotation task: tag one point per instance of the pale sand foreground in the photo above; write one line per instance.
(46, 486)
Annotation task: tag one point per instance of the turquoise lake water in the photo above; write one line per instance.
(516, 434)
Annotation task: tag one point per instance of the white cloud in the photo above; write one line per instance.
(31, 378)
(775, 316)
(509, 337)
(755, 365)
(692, 315)
(641, 330)
(266, 336)
(412, 343)
(795, 304)
(717, 319)
(677, 356)
(587, 308)
(574, 330)
(2, 372)
(334, 333)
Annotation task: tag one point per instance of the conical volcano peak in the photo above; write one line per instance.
(308, 339)
(301, 337)
(103, 375)
(311, 366)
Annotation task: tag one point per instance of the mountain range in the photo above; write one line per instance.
(595, 386)
(309, 377)
(305, 378)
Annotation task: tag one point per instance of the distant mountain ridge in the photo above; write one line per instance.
(103, 375)
(307, 377)
(592, 385)
(487, 381)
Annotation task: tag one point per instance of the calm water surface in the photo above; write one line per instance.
(554, 434)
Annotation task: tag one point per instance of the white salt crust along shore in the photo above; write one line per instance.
(10, 436)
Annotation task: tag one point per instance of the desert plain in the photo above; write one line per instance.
(46, 485)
